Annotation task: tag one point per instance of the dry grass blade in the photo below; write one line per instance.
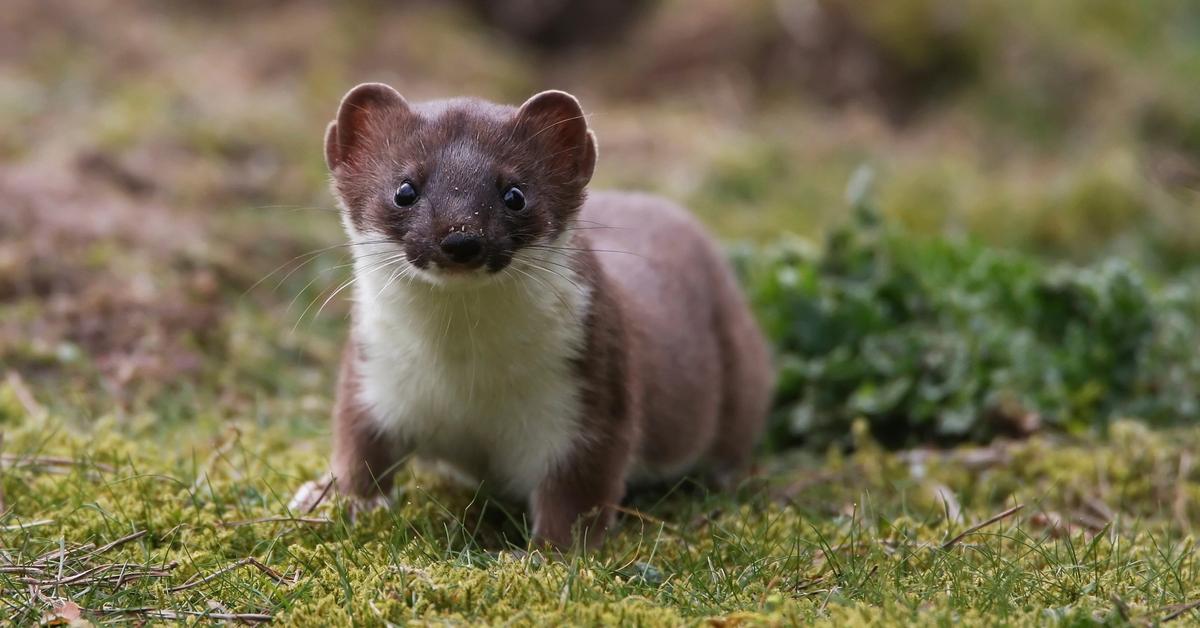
(250, 560)
(28, 524)
(58, 554)
(89, 547)
(1181, 610)
(22, 569)
(979, 526)
(119, 542)
(13, 461)
(276, 519)
(645, 517)
(160, 613)
(100, 573)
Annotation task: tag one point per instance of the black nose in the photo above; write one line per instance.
(462, 248)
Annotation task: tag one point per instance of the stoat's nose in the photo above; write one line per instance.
(462, 248)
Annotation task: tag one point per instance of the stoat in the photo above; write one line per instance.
(554, 344)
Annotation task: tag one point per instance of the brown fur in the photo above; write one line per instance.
(364, 460)
(592, 480)
(704, 371)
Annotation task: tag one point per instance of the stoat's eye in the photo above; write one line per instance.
(514, 199)
(406, 194)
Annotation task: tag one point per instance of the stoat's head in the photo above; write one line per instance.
(458, 187)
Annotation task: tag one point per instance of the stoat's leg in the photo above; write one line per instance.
(581, 495)
(364, 459)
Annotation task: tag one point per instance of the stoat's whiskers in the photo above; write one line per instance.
(543, 282)
(307, 258)
(395, 259)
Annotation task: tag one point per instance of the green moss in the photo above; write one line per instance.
(842, 539)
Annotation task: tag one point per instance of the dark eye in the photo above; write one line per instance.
(514, 199)
(406, 195)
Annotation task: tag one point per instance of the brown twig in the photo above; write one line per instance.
(276, 519)
(58, 554)
(249, 560)
(120, 578)
(119, 542)
(160, 613)
(275, 575)
(1181, 611)
(645, 517)
(979, 526)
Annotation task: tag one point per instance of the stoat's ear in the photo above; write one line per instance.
(363, 112)
(556, 122)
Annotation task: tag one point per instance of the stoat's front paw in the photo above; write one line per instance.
(356, 506)
(312, 494)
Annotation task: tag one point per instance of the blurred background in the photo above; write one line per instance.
(159, 160)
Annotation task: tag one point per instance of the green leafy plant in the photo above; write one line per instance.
(943, 340)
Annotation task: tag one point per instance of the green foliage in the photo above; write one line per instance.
(945, 340)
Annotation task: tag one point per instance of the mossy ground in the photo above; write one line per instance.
(167, 240)
(1102, 537)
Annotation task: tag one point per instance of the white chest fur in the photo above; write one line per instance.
(477, 376)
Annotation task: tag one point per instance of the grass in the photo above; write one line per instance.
(1070, 531)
